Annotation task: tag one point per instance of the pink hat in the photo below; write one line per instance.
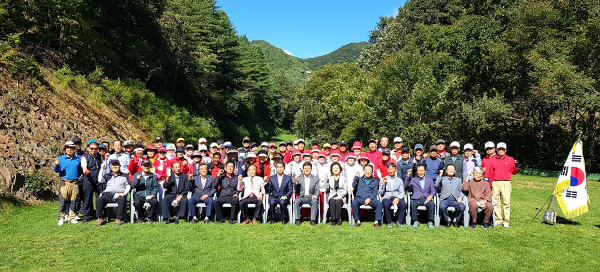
(162, 149)
(296, 152)
(357, 145)
(306, 153)
(316, 149)
(335, 153)
(351, 155)
(364, 155)
(323, 154)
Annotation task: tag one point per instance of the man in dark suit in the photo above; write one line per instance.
(176, 189)
(280, 188)
(367, 188)
(451, 195)
(307, 186)
(204, 187)
(228, 182)
(423, 192)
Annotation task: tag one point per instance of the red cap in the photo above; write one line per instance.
(364, 155)
(296, 152)
(151, 147)
(316, 149)
(351, 155)
(323, 154)
(272, 145)
(357, 145)
(162, 149)
(335, 152)
(307, 153)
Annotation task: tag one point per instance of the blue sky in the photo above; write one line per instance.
(308, 28)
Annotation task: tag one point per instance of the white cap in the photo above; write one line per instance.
(251, 155)
(264, 144)
(300, 140)
(455, 144)
(171, 147)
(296, 142)
(202, 140)
(202, 147)
(227, 143)
(468, 146)
(263, 155)
(138, 149)
(397, 140)
(501, 145)
(214, 145)
(489, 144)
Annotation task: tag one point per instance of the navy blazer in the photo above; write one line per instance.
(286, 189)
(183, 188)
(210, 186)
(418, 192)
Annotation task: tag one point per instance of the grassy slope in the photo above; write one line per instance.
(31, 240)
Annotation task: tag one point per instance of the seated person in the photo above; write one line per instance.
(228, 183)
(307, 187)
(176, 188)
(253, 190)
(204, 187)
(117, 187)
(480, 196)
(367, 188)
(423, 192)
(451, 195)
(391, 190)
(146, 189)
(280, 189)
(338, 189)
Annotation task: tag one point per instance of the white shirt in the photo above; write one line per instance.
(279, 179)
(306, 185)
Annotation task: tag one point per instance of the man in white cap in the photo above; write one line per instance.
(454, 158)
(486, 162)
(264, 146)
(300, 144)
(214, 148)
(472, 160)
(69, 168)
(204, 152)
(396, 153)
(502, 168)
(202, 141)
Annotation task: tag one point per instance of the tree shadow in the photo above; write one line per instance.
(597, 226)
(564, 221)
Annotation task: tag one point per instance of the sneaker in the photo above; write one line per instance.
(456, 224)
(430, 225)
(339, 223)
(77, 217)
(231, 222)
(357, 224)
(150, 221)
(333, 223)
(66, 217)
(448, 223)
(298, 222)
(486, 225)
(505, 225)
(100, 222)
(390, 225)
(176, 220)
(416, 224)
(474, 225)
(400, 224)
(194, 221)
(272, 222)
(376, 224)
(73, 221)
(221, 221)
(206, 220)
(61, 222)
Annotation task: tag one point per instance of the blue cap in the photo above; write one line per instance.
(115, 161)
(101, 146)
(92, 141)
(226, 145)
(419, 146)
(165, 144)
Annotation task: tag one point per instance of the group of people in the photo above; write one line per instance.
(179, 177)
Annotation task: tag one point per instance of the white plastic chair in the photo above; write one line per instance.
(305, 206)
(115, 205)
(200, 206)
(264, 216)
(362, 207)
(468, 215)
(347, 206)
(421, 207)
(452, 209)
(268, 206)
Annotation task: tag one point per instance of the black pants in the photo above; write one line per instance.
(89, 190)
(283, 205)
(166, 206)
(414, 203)
(79, 200)
(251, 200)
(108, 198)
(234, 201)
(335, 207)
(139, 207)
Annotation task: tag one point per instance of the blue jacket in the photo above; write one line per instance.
(145, 186)
(403, 168)
(228, 185)
(433, 167)
(415, 185)
(210, 186)
(273, 188)
(67, 168)
(366, 190)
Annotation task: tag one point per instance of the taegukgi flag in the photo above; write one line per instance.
(571, 189)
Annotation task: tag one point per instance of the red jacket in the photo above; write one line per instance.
(266, 172)
(160, 167)
(486, 162)
(374, 156)
(287, 158)
(135, 166)
(382, 166)
(184, 164)
(503, 168)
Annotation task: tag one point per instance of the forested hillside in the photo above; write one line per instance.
(347, 53)
(523, 72)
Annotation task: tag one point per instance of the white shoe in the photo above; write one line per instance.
(74, 221)
(61, 222)
(505, 225)
(66, 217)
(77, 217)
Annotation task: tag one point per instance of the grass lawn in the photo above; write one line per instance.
(31, 240)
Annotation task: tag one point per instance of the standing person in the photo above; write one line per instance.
(242, 151)
(78, 144)
(264, 146)
(146, 191)
(322, 171)
(158, 142)
(179, 158)
(423, 191)
(151, 153)
(171, 150)
(307, 187)
(338, 189)
(189, 150)
(314, 144)
(334, 145)
(434, 165)
(121, 156)
(232, 156)
(383, 142)
(214, 148)
(327, 149)
(455, 159)
(280, 188)
(381, 165)
(343, 151)
(276, 158)
(451, 195)
(103, 151)
(69, 168)
(367, 188)
(117, 188)
(287, 157)
(264, 165)
(135, 164)
(300, 143)
(480, 196)
(90, 165)
(486, 162)
(253, 188)
(472, 160)
(357, 149)
(180, 142)
(396, 153)
(215, 166)
(351, 170)
(272, 150)
(418, 158)
(441, 148)
(228, 183)
(282, 148)
(176, 188)
(503, 167)
(194, 168)
(373, 153)
(391, 190)
(405, 163)
(294, 168)
(204, 187)
(251, 160)
(161, 164)
(128, 147)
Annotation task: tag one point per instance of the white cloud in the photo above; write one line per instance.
(288, 52)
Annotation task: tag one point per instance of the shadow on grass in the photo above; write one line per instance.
(562, 220)
(7, 202)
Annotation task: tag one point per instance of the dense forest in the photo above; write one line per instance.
(524, 72)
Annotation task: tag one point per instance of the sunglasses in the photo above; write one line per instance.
(93, 148)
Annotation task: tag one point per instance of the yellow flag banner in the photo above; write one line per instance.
(571, 188)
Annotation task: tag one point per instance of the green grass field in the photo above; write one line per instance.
(31, 240)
